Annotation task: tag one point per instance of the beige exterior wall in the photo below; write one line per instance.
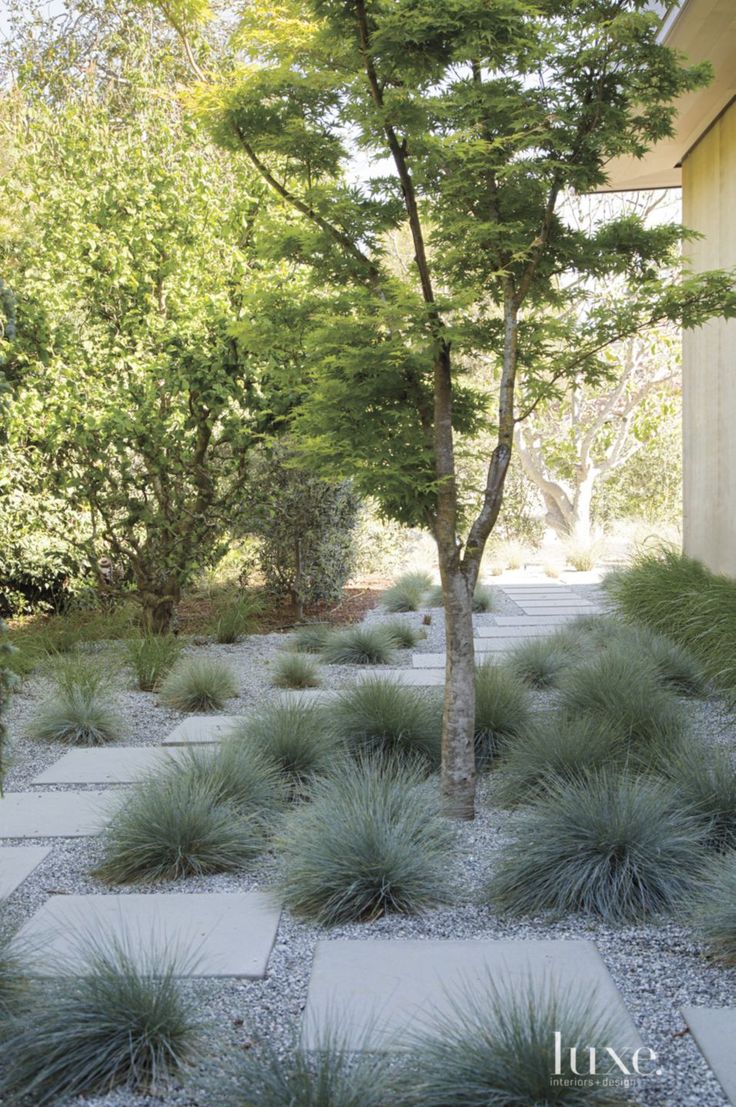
(709, 356)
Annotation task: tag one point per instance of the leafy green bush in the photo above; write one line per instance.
(403, 635)
(496, 1048)
(558, 748)
(198, 684)
(620, 687)
(371, 843)
(679, 597)
(177, 827)
(294, 670)
(502, 710)
(117, 1025)
(713, 908)
(310, 638)
(293, 736)
(605, 844)
(540, 662)
(77, 716)
(326, 1077)
(705, 781)
(152, 657)
(360, 644)
(384, 717)
(406, 593)
(237, 617)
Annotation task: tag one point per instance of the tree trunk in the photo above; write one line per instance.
(158, 612)
(581, 529)
(458, 730)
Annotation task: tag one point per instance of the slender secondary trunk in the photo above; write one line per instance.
(158, 611)
(458, 730)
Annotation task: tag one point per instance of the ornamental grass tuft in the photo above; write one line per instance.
(295, 670)
(152, 656)
(77, 716)
(502, 710)
(406, 593)
(379, 716)
(606, 844)
(199, 684)
(310, 638)
(403, 635)
(705, 781)
(482, 599)
(13, 972)
(541, 662)
(114, 1024)
(360, 644)
(295, 737)
(496, 1048)
(371, 842)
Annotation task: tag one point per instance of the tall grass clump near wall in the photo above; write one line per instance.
(407, 593)
(606, 844)
(502, 710)
(329, 1076)
(81, 709)
(386, 718)
(621, 688)
(713, 909)
(199, 684)
(294, 737)
(496, 1048)
(359, 645)
(679, 597)
(151, 657)
(211, 813)
(114, 1024)
(371, 842)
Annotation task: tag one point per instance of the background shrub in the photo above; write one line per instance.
(495, 1048)
(152, 656)
(198, 684)
(606, 844)
(407, 593)
(114, 1024)
(502, 710)
(379, 716)
(295, 737)
(360, 644)
(294, 670)
(371, 843)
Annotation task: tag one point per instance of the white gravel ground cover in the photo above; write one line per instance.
(658, 968)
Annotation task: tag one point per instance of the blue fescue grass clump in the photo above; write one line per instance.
(114, 1024)
(606, 844)
(295, 670)
(712, 909)
(371, 842)
(502, 710)
(496, 1048)
(297, 738)
(360, 644)
(152, 657)
(379, 716)
(199, 684)
(310, 638)
(407, 593)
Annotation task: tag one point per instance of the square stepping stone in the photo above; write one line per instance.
(536, 620)
(219, 934)
(484, 650)
(107, 765)
(200, 730)
(517, 632)
(56, 814)
(306, 695)
(560, 609)
(378, 992)
(714, 1031)
(413, 677)
(18, 862)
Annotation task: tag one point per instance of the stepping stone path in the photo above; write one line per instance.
(18, 862)
(219, 934)
(110, 765)
(377, 992)
(199, 730)
(422, 678)
(56, 814)
(714, 1030)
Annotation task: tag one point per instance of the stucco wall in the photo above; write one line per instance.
(709, 356)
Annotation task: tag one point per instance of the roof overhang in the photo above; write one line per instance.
(702, 30)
